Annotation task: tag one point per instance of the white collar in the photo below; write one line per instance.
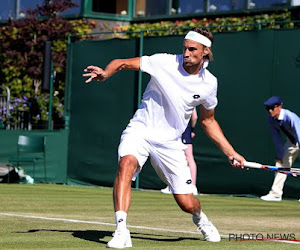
(204, 66)
(205, 63)
(281, 115)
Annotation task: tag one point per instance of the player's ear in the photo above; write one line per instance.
(206, 50)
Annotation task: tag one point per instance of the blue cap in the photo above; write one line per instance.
(272, 101)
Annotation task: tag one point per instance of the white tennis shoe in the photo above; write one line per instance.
(209, 231)
(270, 197)
(166, 190)
(121, 239)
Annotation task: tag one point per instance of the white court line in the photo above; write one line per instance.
(95, 222)
(138, 227)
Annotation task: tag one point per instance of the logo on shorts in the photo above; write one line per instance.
(189, 181)
(196, 96)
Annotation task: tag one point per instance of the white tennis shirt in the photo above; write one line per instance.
(170, 97)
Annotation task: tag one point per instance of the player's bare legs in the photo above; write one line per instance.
(188, 203)
(122, 187)
(122, 199)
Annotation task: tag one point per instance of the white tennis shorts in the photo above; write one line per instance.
(168, 160)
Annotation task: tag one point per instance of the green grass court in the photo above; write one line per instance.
(48, 216)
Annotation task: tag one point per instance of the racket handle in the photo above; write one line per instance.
(249, 164)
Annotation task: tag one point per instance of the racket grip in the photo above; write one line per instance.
(250, 164)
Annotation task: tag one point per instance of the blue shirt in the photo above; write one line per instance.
(290, 123)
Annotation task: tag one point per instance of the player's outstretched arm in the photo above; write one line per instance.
(215, 133)
(95, 73)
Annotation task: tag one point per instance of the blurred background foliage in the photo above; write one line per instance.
(276, 20)
(21, 57)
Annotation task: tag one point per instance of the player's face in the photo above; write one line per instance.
(193, 53)
(274, 111)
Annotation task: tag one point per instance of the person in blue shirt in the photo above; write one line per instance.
(282, 122)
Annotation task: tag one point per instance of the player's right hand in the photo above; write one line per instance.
(95, 74)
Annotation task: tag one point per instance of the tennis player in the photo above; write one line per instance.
(286, 122)
(178, 84)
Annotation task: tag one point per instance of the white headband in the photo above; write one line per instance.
(197, 37)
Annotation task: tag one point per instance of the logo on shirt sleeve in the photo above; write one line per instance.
(196, 96)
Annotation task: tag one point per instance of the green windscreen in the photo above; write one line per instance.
(250, 67)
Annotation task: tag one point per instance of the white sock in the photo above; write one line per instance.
(201, 216)
(121, 217)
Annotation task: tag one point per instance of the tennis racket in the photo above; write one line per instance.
(288, 171)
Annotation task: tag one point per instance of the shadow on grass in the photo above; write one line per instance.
(160, 237)
(98, 235)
